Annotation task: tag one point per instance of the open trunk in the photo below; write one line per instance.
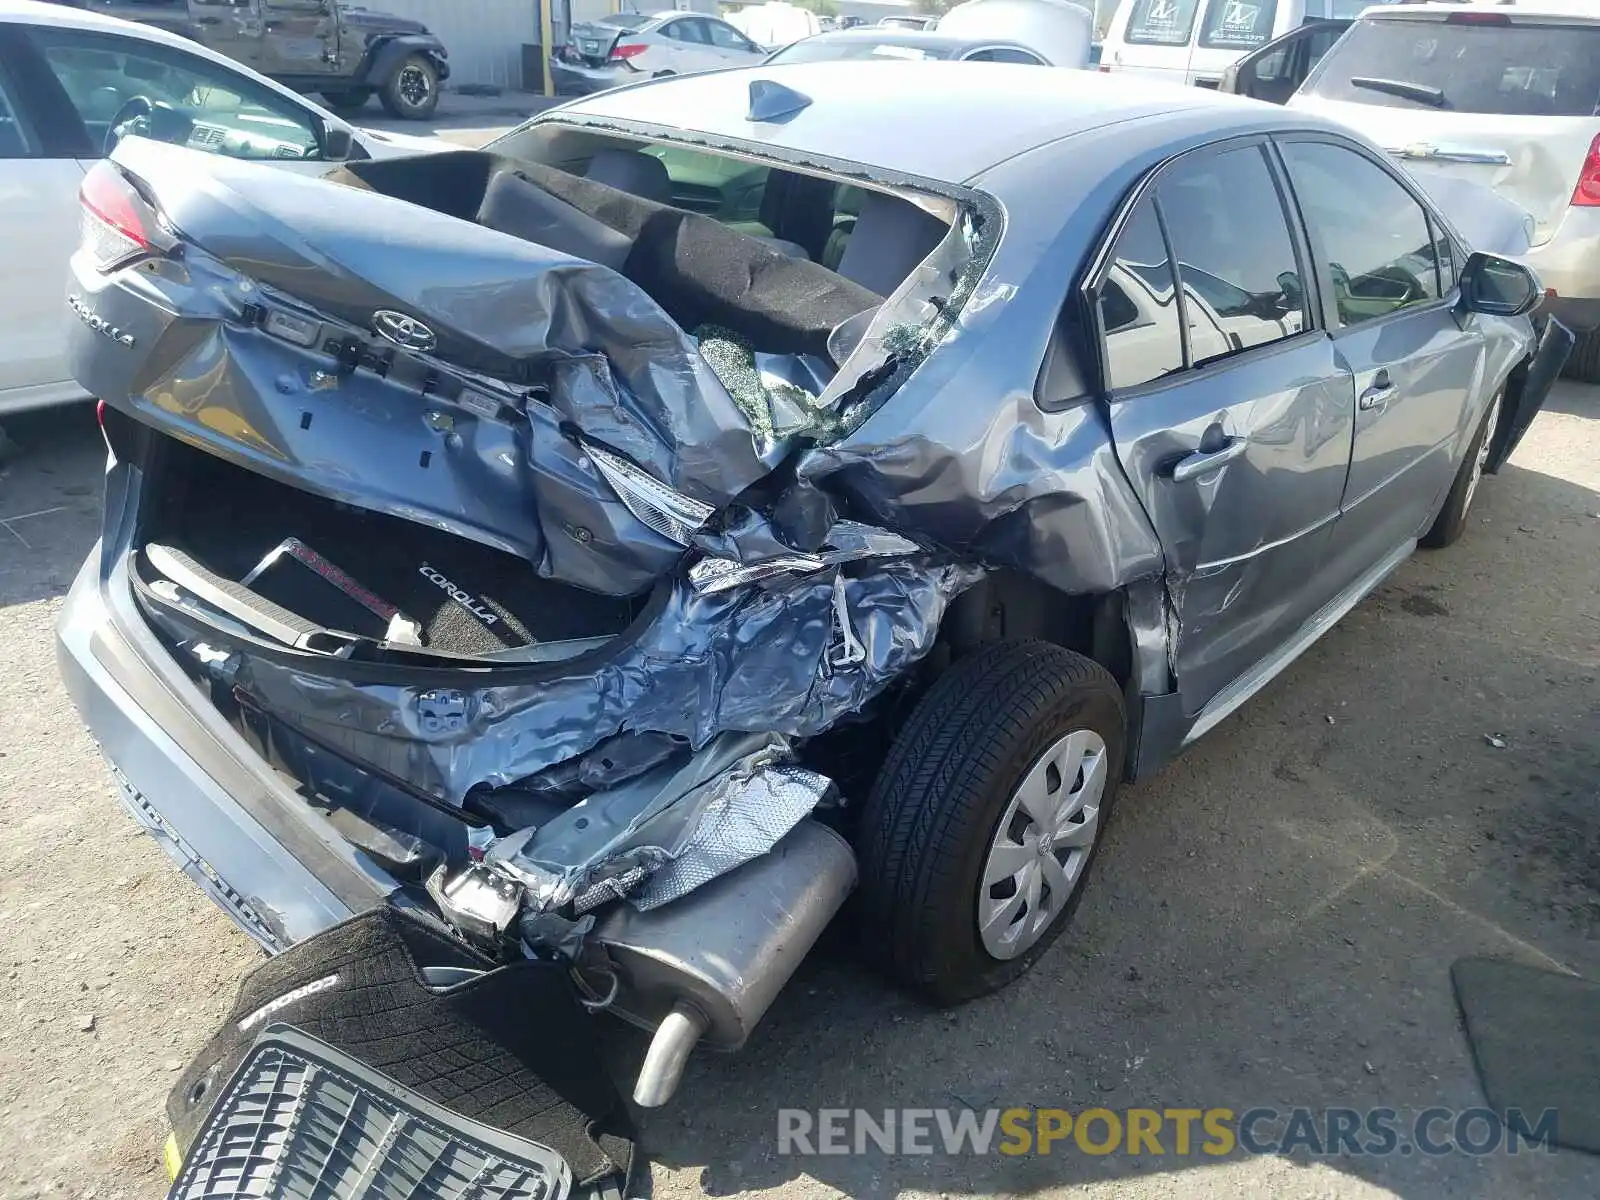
(235, 544)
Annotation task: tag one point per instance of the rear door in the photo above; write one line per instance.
(1152, 38)
(1389, 278)
(301, 39)
(687, 46)
(230, 28)
(1230, 411)
(1491, 96)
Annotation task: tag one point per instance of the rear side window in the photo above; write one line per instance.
(1376, 238)
(1241, 278)
(16, 141)
(1138, 303)
(1238, 24)
(1161, 22)
(1005, 54)
(1531, 70)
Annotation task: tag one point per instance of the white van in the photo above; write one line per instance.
(1195, 41)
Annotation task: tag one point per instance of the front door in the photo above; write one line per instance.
(1230, 411)
(301, 43)
(231, 27)
(1414, 355)
(1276, 71)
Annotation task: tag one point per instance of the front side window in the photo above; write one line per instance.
(1241, 279)
(138, 87)
(1161, 22)
(1138, 305)
(1238, 24)
(1373, 234)
(726, 37)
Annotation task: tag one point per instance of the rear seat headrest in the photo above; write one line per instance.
(639, 174)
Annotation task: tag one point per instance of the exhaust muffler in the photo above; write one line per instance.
(708, 966)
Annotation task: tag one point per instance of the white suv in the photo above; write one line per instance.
(1505, 95)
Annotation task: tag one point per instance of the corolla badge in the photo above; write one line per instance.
(403, 330)
(98, 323)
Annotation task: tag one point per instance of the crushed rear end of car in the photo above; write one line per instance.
(457, 556)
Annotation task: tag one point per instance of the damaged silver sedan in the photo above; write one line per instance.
(622, 540)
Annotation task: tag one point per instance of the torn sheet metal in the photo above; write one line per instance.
(663, 834)
(472, 432)
(758, 658)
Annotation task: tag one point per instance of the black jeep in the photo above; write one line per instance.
(345, 52)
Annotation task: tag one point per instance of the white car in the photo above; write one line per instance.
(625, 47)
(71, 84)
(1506, 97)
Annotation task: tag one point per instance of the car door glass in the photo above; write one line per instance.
(1004, 54)
(686, 31)
(16, 140)
(1138, 306)
(1373, 234)
(1241, 278)
(170, 96)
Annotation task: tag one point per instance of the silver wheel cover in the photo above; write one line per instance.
(1042, 844)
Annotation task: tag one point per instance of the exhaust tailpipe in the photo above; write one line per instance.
(708, 966)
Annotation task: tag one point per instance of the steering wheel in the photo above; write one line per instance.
(132, 117)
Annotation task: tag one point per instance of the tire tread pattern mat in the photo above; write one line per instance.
(512, 1049)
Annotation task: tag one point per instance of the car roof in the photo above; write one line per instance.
(879, 35)
(1517, 11)
(941, 120)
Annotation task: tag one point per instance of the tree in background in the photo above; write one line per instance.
(823, 8)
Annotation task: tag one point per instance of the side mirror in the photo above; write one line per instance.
(336, 143)
(1498, 286)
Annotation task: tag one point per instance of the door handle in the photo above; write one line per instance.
(1202, 462)
(1376, 396)
(208, 20)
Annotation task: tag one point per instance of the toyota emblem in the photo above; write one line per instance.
(403, 330)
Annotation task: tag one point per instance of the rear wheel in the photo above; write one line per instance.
(978, 835)
(1584, 364)
(412, 92)
(1452, 518)
(349, 102)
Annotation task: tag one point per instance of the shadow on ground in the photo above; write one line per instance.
(1274, 916)
(50, 490)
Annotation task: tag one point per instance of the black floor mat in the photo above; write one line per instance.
(512, 1049)
(229, 519)
(1535, 1036)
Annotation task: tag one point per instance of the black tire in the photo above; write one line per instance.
(934, 809)
(412, 92)
(1451, 522)
(346, 103)
(1584, 362)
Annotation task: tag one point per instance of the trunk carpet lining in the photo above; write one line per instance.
(229, 519)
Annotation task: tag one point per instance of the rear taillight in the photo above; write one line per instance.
(1587, 193)
(1477, 18)
(118, 226)
(623, 51)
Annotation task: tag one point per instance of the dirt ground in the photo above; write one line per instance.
(1272, 921)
